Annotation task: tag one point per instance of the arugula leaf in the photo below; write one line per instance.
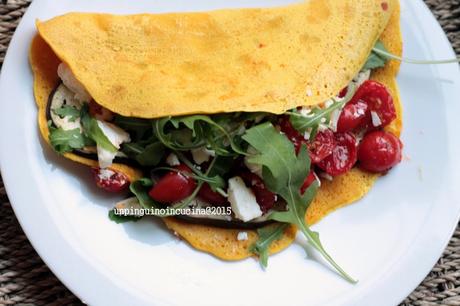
(216, 180)
(283, 173)
(389, 56)
(92, 131)
(376, 60)
(267, 235)
(220, 166)
(139, 127)
(122, 219)
(66, 140)
(302, 123)
(179, 141)
(203, 131)
(67, 111)
(148, 156)
(140, 189)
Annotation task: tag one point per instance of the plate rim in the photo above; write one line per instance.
(71, 278)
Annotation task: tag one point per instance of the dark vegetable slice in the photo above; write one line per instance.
(88, 152)
(233, 224)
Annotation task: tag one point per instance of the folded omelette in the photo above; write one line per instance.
(268, 60)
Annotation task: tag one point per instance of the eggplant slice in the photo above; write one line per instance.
(60, 96)
(231, 224)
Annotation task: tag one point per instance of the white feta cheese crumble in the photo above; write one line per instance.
(326, 176)
(305, 111)
(116, 136)
(71, 82)
(105, 174)
(202, 155)
(172, 160)
(362, 77)
(335, 115)
(328, 103)
(375, 119)
(309, 92)
(242, 200)
(322, 127)
(105, 157)
(317, 179)
(242, 236)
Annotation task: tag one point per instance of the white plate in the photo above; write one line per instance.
(389, 241)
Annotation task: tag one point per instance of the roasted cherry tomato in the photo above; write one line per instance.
(379, 151)
(264, 197)
(353, 116)
(322, 146)
(110, 180)
(379, 100)
(343, 156)
(308, 181)
(372, 99)
(211, 197)
(291, 133)
(99, 112)
(173, 186)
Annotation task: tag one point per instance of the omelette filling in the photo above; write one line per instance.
(226, 170)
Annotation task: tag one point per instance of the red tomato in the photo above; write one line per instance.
(291, 133)
(264, 197)
(370, 97)
(353, 115)
(343, 157)
(379, 151)
(378, 100)
(322, 146)
(174, 186)
(211, 197)
(308, 181)
(110, 180)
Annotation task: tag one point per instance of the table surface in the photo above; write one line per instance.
(25, 279)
